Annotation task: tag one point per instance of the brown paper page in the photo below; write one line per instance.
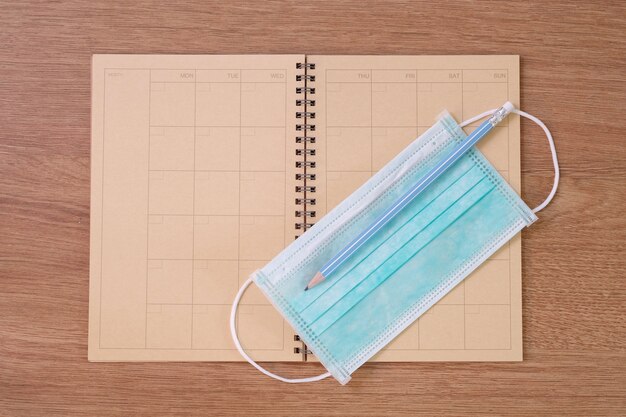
(368, 109)
(192, 190)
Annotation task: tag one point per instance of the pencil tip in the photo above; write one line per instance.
(306, 288)
(316, 280)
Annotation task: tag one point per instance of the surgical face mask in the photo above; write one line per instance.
(443, 235)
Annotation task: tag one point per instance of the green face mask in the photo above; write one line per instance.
(435, 242)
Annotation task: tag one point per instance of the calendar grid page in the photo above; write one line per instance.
(193, 183)
(193, 188)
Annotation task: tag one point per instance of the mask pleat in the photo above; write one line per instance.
(401, 250)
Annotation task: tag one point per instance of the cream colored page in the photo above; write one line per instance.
(368, 108)
(192, 189)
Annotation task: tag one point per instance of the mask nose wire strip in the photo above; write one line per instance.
(555, 161)
(233, 333)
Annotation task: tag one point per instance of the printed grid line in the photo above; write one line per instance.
(193, 203)
(239, 259)
(148, 207)
(194, 214)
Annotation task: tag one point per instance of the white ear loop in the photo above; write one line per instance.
(233, 333)
(233, 311)
(555, 162)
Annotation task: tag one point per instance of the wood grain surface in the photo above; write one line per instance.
(573, 60)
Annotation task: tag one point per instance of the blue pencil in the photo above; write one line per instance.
(332, 265)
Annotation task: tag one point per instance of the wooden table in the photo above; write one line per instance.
(573, 66)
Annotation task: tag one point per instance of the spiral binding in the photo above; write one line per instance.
(305, 124)
(306, 152)
(303, 349)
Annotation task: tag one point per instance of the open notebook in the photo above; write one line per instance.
(205, 167)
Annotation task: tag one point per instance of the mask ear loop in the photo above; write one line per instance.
(555, 162)
(233, 333)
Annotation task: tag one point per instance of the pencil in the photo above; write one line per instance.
(340, 258)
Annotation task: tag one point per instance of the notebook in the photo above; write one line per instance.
(204, 167)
